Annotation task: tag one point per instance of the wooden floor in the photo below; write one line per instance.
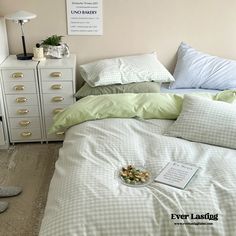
(30, 166)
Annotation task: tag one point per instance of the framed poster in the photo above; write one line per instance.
(84, 17)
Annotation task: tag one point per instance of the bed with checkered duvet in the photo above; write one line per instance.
(86, 197)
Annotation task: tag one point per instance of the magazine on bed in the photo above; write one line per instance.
(176, 174)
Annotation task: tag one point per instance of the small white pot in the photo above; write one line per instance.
(56, 51)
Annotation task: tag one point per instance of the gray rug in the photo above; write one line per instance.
(30, 166)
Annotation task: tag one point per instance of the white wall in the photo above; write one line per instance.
(4, 51)
(134, 26)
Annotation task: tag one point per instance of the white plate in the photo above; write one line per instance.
(139, 184)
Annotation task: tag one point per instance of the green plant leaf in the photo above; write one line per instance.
(53, 40)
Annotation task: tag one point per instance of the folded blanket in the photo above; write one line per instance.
(145, 106)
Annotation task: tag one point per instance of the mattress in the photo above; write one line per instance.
(86, 197)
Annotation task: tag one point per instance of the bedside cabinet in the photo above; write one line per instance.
(21, 100)
(33, 92)
(57, 86)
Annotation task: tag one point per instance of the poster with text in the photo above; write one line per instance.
(84, 17)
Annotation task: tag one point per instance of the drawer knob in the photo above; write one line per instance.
(17, 75)
(57, 99)
(21, 100)
(60, 133)
(24, 123)
(56, 74)
(22, 111)
(19, 87)
(26, 134)
(57, 110)
(56, 86)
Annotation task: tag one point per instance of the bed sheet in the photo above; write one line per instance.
(85, 197)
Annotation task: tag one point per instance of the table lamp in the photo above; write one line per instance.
(22, 17)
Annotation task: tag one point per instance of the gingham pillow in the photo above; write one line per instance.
(125, 70)
(206, 121)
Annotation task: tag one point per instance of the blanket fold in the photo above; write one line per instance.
(144, 105)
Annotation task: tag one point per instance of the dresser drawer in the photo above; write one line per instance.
(25, 134)
(23, 111)
(25, 123)
(22, 99)
(19, 87)
(18, 75)
(56, 74)
(57, 87)
(52, 110)
(55, 99)
(56, 136)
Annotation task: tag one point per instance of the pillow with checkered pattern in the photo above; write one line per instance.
(206, 121)
(125, 70)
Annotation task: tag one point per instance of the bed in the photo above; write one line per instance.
(106, 132)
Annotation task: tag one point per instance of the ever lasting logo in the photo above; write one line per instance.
(194, 219)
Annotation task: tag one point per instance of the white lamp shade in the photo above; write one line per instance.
(21, 15)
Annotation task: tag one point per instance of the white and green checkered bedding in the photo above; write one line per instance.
(86, 199)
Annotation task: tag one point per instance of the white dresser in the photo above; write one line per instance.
(34, 92)
(57, 83)
(22, 101)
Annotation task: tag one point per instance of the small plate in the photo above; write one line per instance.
(136, 184)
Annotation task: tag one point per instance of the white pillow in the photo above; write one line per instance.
(206, 121)
(195, 69)
(125, 70)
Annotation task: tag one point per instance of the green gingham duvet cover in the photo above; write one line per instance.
(87, 199)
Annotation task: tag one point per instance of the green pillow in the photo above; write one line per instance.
(141, 87)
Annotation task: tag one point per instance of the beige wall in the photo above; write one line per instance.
(134, 26)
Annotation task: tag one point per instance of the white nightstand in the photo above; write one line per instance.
(57, 83)
(33, 92)
(21, 100)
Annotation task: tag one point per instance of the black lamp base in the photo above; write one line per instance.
(22, 56)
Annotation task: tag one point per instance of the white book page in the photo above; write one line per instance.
(176, 174)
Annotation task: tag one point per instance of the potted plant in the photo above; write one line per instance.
(54, 48)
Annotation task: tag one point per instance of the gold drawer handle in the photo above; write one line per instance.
(56, 86)
(22, 111)
(60, 133)
(19, 87)
(21, 100)
(57, 99)
(57, 110)
(24, 123)
(26, 134)
(17, 75)
(56, 74)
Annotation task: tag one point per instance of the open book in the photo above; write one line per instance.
(176, 174)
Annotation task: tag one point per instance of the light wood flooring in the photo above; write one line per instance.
(30, 166)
